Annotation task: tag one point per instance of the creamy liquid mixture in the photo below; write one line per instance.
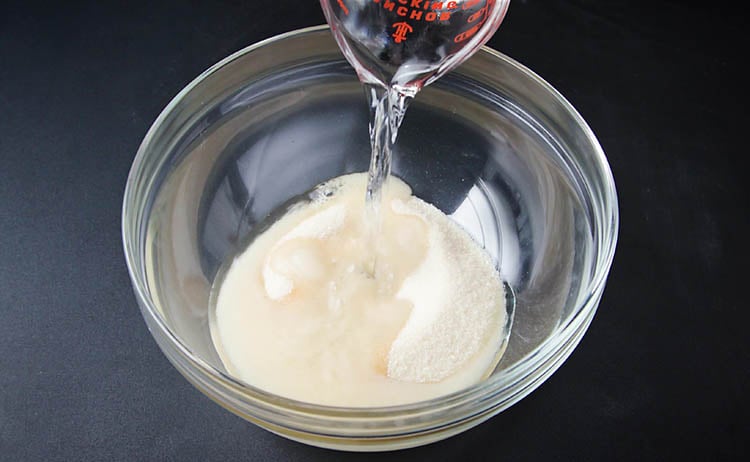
(304, 313)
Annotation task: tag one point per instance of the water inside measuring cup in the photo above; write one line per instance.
(408, 44)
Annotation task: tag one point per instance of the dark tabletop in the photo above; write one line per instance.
(663, 370)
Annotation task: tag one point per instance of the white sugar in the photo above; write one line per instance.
(458, 302)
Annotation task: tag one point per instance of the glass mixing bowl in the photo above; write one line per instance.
(491, 144)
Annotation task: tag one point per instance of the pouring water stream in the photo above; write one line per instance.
(397, 47)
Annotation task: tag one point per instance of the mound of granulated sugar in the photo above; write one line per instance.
(458, 302)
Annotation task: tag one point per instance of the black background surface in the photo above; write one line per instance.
(663, 370)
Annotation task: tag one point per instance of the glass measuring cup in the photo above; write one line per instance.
(407, 44)
(399, 46)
